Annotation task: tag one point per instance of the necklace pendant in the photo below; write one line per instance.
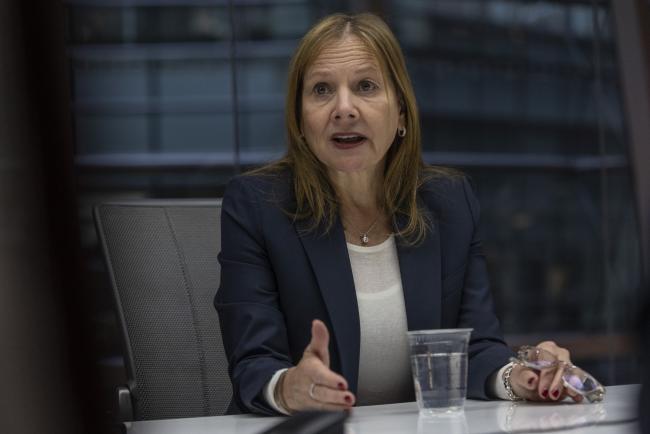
(364, 239)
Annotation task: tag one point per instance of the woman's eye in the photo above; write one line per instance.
(367, 86)
(321, 89)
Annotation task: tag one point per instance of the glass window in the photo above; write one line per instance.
(524, 97)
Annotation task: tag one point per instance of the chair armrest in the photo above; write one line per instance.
(124, 404)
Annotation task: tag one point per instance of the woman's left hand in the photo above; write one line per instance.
(547, 384)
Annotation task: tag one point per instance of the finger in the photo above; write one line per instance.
(328, 395)
(527, 379)
(322, 375)
(548, 346)
(524, 381)
(577, 397)
(557, 387)
(573, 394)
(545, 379)
(560, 353)
(317, 372)
(320, 338)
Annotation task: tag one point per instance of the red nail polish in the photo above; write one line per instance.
(556, 393)
(348, 399)
(341, 386)
(545, 393)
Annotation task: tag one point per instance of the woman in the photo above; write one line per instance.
(330, 255)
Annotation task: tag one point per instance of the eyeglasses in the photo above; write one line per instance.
(573, 377)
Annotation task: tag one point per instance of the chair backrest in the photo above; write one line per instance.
(162, 261)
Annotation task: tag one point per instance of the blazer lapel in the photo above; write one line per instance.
(421, 280)
(330, 262)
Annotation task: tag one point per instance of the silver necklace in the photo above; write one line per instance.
(363, 236)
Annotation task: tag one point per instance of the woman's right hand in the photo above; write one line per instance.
(311, 385)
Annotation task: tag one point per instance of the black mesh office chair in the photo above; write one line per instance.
(162, 261)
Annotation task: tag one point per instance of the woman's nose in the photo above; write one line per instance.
(345, 106)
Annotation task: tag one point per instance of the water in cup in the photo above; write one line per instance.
(439, 367)
(440, 380)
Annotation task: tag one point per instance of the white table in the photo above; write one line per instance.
(615, 415)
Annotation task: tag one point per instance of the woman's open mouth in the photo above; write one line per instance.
(347, 141)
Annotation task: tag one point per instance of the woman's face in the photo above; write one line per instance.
(350, 112)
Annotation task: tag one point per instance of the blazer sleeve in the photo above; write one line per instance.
(488, 351)
(252, 324)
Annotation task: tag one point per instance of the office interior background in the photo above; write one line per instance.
(543, 103)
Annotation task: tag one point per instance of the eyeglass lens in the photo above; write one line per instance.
(579, 380)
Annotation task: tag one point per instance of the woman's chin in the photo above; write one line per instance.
(352, 167)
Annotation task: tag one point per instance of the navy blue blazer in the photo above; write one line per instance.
(276, 277)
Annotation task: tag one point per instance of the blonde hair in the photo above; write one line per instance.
(315, 198)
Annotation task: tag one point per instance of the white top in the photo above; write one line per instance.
(384, 363)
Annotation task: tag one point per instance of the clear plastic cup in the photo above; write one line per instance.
(439, 367)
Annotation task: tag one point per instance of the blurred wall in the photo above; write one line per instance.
(634, 52)
(38, 381)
